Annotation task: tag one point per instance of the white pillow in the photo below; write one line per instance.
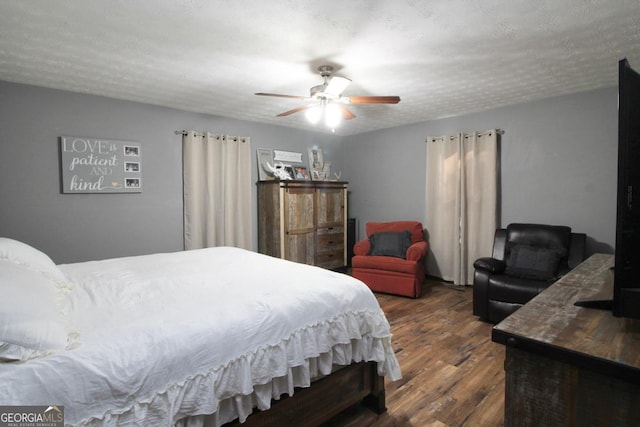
(31, 320)
(30, 257)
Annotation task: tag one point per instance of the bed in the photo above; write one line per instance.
(201, 337)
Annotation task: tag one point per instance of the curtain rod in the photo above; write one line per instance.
(242, 139)
(184, 132)
(498, 131)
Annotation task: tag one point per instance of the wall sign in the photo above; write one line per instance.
(287, 156)
(96, 165)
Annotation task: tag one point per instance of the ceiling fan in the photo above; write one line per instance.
(326, 99)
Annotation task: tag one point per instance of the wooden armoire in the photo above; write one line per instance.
(303, 221)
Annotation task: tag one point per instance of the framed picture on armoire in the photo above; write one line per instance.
(264, 156)
(316, 164)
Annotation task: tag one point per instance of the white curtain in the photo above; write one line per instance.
(461, 202)
(217, 190)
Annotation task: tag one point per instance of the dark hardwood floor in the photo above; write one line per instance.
(452, 373)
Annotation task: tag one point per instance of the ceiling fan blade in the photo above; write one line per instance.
(281, 96)
(295, 110)
(346, 113)
(337, 85)
(371, 99)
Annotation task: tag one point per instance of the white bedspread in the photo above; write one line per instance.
(165, 336)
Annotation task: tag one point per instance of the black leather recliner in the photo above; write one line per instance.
(527, 258)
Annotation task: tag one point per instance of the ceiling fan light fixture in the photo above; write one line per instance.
(328, 102)
(314, 114)
(332, 115)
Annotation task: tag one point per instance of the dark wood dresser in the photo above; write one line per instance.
(572, 366)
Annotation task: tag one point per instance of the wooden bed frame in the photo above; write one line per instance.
(326, 398)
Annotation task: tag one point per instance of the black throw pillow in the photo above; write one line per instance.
(390, 243)
(529, 262)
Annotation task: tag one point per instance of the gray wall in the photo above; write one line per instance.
(80, 227)
(558, 166)
(558, 160)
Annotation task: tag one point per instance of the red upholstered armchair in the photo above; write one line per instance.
(391, 258)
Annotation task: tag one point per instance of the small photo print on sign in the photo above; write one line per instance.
(132, 150)
(131, 167)
(132, 183)
(32, 416)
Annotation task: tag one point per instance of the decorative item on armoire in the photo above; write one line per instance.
(287, 156)
(280, 171)
(302, 173)
(316, 164)
(265, 156)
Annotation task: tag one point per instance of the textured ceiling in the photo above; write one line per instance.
(442, 57)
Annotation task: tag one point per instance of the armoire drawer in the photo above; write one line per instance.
(329, 243)
(321, 231)
(330, 260)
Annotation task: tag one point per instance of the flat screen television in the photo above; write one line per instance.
(626, 281)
